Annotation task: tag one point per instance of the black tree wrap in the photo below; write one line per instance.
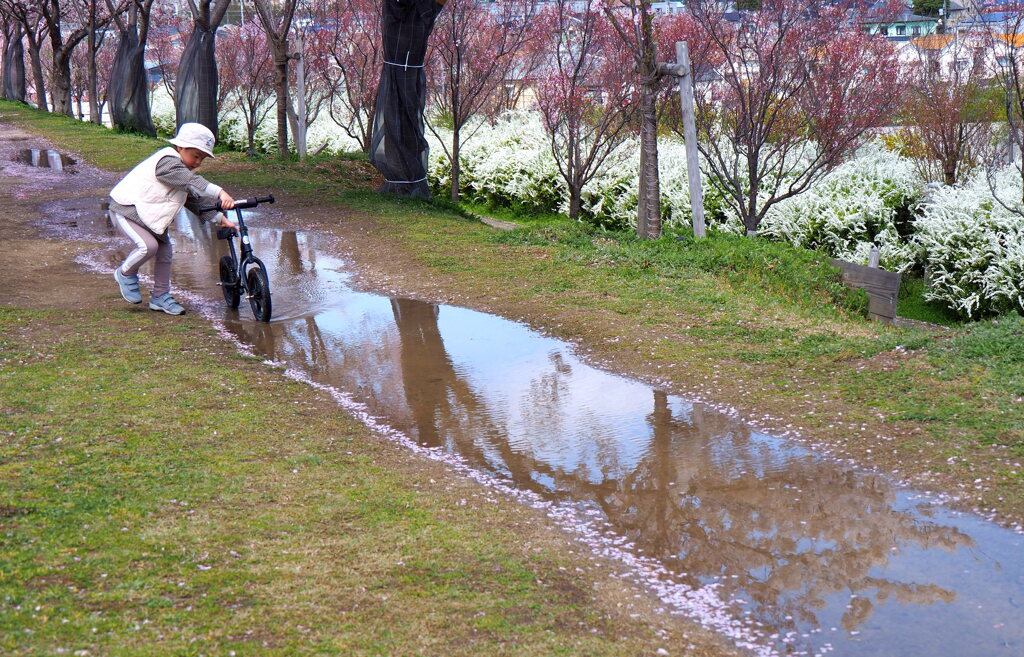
(196, 87)
(129, 97)
(398, 147)
(14, 66)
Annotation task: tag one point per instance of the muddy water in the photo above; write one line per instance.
(809, 556)
(45, 158)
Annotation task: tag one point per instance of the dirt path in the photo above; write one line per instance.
(40, 273)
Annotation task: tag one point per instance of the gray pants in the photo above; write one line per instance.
(147, 248)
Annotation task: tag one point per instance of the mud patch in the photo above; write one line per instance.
(12, 511)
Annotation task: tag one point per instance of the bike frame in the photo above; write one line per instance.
(245, 246)
(242, 262)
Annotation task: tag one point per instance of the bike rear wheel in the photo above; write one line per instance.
(259, 292)
(229, 281)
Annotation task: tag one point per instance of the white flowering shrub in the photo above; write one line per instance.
(611, 198)
(510, 163)
(506, 163)
(232, 132)
(161, 109)
(973, 247)
(863, 203)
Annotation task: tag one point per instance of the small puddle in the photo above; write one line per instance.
(44, 158)
(786, 552)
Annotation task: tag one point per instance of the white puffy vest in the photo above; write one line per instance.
(156, 203)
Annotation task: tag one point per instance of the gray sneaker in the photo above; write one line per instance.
(129, 286)
(166, 303)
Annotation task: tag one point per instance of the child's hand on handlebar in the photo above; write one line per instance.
(226, 202)
(225, 222)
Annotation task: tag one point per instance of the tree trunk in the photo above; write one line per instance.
(750, 216)
(456, 169)
(37, 74)
(649, 193)
(94, 102)
(281, 64)
(949, 170)
(575, 201)
(750, 219)
(60, 92)
(300, 97)
(650, 184)
(641, 194)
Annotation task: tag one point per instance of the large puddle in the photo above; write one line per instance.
(801, 555)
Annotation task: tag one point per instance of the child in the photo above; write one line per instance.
(145, 202)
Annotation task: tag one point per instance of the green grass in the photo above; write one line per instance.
(163, 496)
(757, 267)
(519, 215)
(912, 304)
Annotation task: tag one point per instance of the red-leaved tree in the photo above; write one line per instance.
(948, 116)
(353, 31)
(798, 89)
(169, 31)
(312, 78)
(277, 19)
(1007, 43)
(90, 74)
(69, 22)
(472, 53)
(586, 94)
(633, 21)
(247, 76)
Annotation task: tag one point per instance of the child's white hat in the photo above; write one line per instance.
(194, 135)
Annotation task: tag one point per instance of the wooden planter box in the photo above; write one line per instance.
(883, 288)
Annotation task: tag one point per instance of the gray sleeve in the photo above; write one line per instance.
(172, 172)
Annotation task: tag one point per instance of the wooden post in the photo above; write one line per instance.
(690, 135)
(883, 288)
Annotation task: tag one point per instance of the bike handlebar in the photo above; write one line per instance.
(243, 203)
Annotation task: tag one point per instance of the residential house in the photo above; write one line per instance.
(904, 26)
(947, 54)
(990, 22)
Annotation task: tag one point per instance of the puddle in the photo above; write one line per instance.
(785, 552)
(45, 158)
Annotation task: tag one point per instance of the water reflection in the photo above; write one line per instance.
(44, 158)
(818, 555)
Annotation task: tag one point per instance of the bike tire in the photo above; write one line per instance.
(229, 282)
(259, 292)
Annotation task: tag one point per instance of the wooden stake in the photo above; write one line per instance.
(690, 135)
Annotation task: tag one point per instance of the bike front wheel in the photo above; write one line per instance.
(259, 292)
(229, 281)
